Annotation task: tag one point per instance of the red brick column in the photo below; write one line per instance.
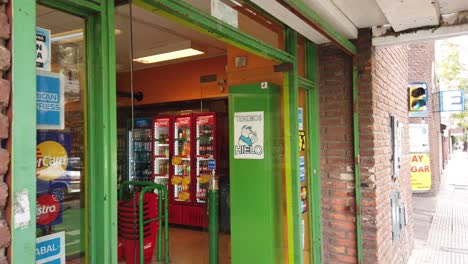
(337, 158)
(5, 89)
(383, 77)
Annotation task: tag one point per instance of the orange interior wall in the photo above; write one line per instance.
(181, 81)
(175, 82)
(257, 69)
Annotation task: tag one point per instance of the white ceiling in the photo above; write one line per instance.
(399, 15)
(150, 31)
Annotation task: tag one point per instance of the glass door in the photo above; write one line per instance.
(205, 144)
(161, 149)
(181, 160)
(304, 170)
(61, 155)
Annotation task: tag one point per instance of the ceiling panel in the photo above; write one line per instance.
(452, 6)
(363, 13)
(57, 22)
(406, 14)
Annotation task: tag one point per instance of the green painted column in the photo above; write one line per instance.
(23, 133)
(213, 225)
(256, 162)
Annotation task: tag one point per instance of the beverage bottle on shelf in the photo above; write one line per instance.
(179, 143)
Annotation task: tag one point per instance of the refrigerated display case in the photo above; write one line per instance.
(205, 126)
(162, 128)
(182, 147)
(139, 150)
(181, 176)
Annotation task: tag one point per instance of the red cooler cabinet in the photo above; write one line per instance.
(162, 130)
(193, 140)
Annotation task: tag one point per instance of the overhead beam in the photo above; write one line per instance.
(299, 8)
(452, 25)
(329, 12)
(287, 17)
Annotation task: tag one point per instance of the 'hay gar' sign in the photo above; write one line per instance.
(420, 171)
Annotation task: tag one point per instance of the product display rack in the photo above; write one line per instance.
(182, 146)
(121, 155)
(205, 128)
(181, 177)
(140, 150)
(162, 131)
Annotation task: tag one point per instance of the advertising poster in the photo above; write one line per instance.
(50, 100)
(302, 141)
(303, 199)
(420, 170)
(300, 115)
(52, 155)
(248, 135)
(419, 138)
(43, 49)
(50, 249)
(302, 169)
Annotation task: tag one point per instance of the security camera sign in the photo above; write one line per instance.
(248, 135)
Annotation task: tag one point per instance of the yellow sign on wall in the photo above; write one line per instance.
(420, 172)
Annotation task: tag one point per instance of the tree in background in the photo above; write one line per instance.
(452, 73)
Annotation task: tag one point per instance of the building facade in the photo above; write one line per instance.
(355, 100)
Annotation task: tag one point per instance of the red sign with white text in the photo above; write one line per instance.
(48, 209)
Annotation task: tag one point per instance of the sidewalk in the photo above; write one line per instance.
(441, 222)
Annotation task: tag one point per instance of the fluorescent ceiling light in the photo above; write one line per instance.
(169, 56)
(167, 52)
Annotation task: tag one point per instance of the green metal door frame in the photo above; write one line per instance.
(314, 146)
(23, 130)
(188, 15)
(101, 125)
(291, 150)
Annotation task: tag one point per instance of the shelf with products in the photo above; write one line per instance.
(205, 128)
(161, 166)
(181, 178)
(139, 149)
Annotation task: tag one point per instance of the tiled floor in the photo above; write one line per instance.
(189, 246)
(447, 229)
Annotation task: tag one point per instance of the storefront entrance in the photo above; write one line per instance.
(174, 122)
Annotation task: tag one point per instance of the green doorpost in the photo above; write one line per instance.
(256, 174)
(23, 132)
(213, 225)
(101, 125)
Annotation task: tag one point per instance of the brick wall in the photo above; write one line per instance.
(5, 88)
(337, 158)
(383, 76)
(421, 58)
